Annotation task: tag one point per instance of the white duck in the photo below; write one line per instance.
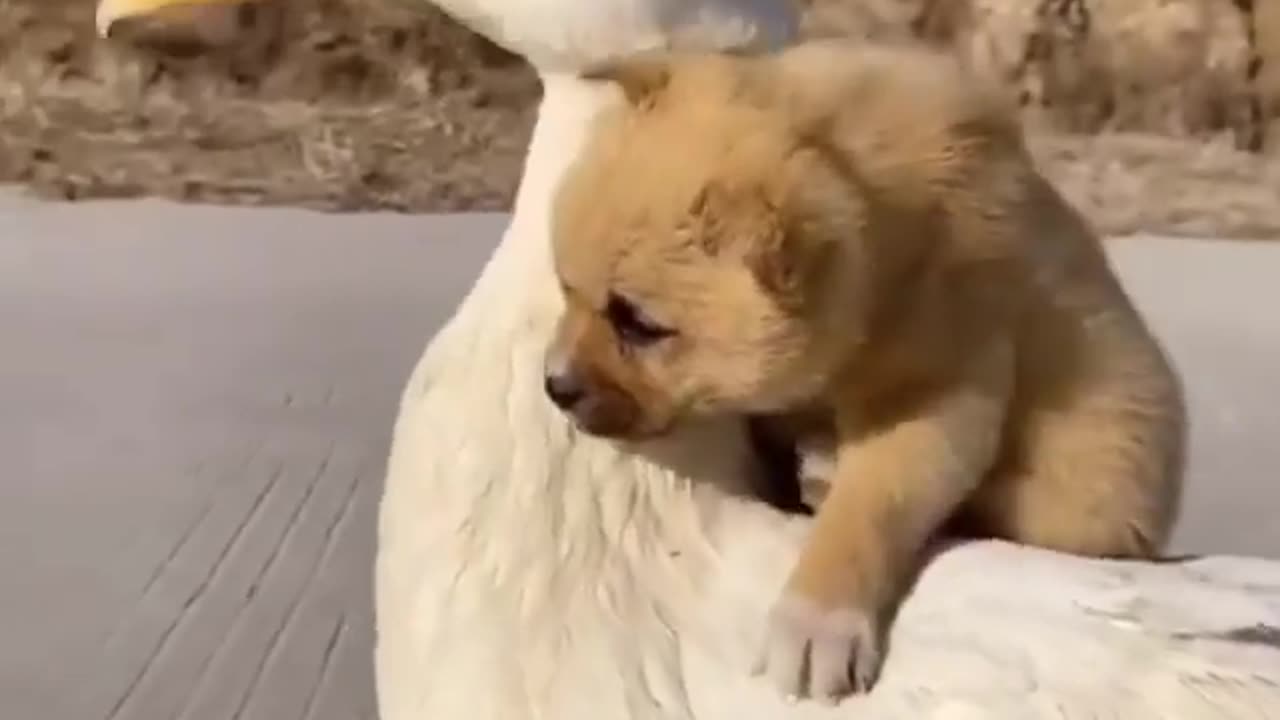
(526, 572)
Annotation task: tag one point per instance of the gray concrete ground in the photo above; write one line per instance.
(195, 406)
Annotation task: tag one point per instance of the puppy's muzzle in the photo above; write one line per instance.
(597, 409)
(565, 389)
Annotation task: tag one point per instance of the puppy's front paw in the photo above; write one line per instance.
(821, 654)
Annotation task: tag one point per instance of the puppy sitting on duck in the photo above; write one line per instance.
(852, 242)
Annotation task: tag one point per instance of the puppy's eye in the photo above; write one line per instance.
(632, 325)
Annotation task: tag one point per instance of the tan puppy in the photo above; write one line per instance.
(854, 237)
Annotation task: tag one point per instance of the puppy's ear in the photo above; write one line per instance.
(746, 224)
(717, 218)
(778, 268)
(705, 217)
(641, 77)
(786, 260)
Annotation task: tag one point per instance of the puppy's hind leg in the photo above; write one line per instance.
(1101, 482)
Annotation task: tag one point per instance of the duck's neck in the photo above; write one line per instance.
(521, 544)
(523, 263)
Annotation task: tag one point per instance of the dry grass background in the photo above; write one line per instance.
(1150, 114)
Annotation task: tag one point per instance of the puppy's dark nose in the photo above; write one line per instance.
(564, 389)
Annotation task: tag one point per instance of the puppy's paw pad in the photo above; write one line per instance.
(824, 655)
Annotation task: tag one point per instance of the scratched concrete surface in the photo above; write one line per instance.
(195, 407)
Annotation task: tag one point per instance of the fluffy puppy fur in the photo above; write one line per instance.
(853, 240)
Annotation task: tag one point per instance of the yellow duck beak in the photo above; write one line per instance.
(112, 12)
